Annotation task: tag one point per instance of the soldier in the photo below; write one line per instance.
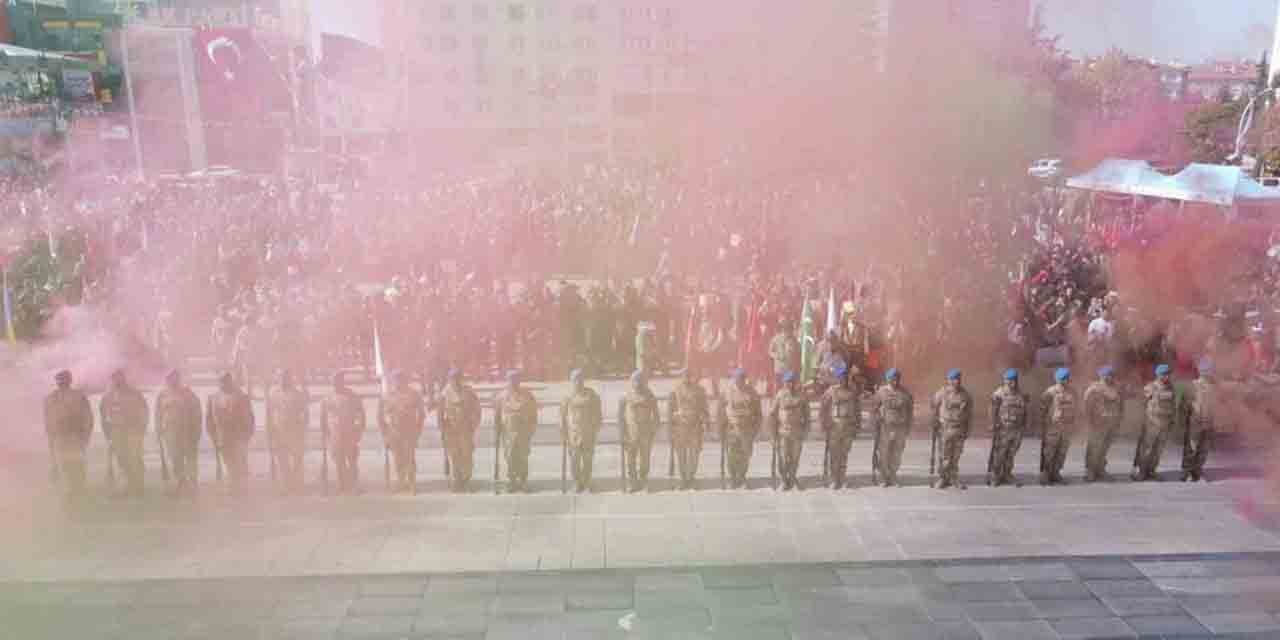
(687, 417)
(740, 417)
(342, 415)
(123, 413)
(459, 417)
(1009, 412)
(516, 418)
(401, 417)
(580, 418)
(952, 417)
(177, 422)
(1162, 411)
(896, 412)
(789, 414)
(287, 415)
(230, 422)
(638, 421)
(68, 425)
(1201, 421)
(840, 413)
(1058, 425)
(784, 350)
(1104, 411)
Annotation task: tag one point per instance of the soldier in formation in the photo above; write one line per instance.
(287, 417)
(516, 418)
(789, 415)
(124, 417)
(68, 425)
(230, 422)
(895, 408)
(459, 417)
(342, 418)
(1162, 408)
(638, 421)
(688, 414)
(952, 411)
(1104, 412)
(580, 420)
(1010, 408)
(1201, 423)
(1058, 423)
(177, 424)
(401, 416)
(740, 416)
(840, 413)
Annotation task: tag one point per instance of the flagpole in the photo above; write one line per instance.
(8, 309)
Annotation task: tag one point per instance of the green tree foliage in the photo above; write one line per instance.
(1211, 129)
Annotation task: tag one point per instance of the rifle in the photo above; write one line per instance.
(773, 466)
(497, 448)
(933, 449)
(671, 449)
(271, 452)
(444, 446)
(826, 456)
(54, 472)
(111, 466)
(622, 451)
(564, 460)
(991, 454)
(217, 458)
(324, 452)
(875, 451)
(386, 463)
(164, 462)
(723, 445)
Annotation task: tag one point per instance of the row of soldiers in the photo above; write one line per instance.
(229, 420)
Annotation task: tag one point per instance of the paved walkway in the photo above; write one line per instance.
(1185, 596)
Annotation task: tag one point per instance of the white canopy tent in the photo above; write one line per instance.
(1228, 187)
(13, 57)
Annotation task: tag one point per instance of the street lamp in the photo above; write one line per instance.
(1246, 122)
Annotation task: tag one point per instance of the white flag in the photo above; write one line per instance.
(378, 368)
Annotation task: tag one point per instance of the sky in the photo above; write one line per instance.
(356, 19)
(1169, 30)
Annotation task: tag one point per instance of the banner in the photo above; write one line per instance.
(378, 368)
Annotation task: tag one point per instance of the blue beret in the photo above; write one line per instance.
(892, 374)
(638, 375)
(1206, 365)
(789, 376)
(738, 374)
(1062, 374)
(1010, 374)
(840, 371)
(455, 372)
(1106, 371)
(513, 375)
(1162, 370)
(575, 375)
(953, 374)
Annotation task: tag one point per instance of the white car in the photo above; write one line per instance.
(1045, 168)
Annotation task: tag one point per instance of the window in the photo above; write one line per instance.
(517, 44)
(452, 76)
(480, 12)
(427, 43)
(448, 43)
(551, 43)
(483, 106)
(584, 43)
(480, 42)
(447, 13)
(515, 13)
(482, 75)
(547, 13)
(519, 76)
(585, 13)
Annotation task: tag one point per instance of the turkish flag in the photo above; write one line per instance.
(239, 88)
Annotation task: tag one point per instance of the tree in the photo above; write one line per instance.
(1210, 131)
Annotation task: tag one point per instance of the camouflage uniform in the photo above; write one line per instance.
(789, 414)
(1104, 411)
(287, 414)
(896, 412)
(841, 416)
(1009, 413)
(342, 415)
(687, 417)
(401, 417)
(638, 421)
(177, 420)
(124, 415)
(1059, 422)
(230, 422)
(580, 419)
(516, 416)
(953, 416)
(1201, 424)
(68, 424)
(459, 416)
(1162, 411)
(740, 417)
